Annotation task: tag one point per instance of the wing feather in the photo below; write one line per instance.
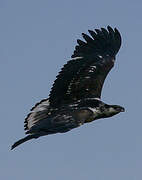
(38, 113)
(84, 75)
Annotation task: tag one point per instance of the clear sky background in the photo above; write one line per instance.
(36, 39)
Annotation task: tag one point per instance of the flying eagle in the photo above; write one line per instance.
(75, 96)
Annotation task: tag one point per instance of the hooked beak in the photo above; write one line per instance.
(122, 109)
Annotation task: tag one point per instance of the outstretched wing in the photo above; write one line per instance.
(84, 75)
(44, 120)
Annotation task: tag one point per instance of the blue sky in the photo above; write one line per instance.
(36, 39)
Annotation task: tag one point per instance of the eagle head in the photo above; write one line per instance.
(111, 110)
(99, 109)
(117, 108)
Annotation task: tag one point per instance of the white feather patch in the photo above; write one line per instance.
(38, 113)
(100, 56)
(92, 69)
(41, 106)
(76, 58)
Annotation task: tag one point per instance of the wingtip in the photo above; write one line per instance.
(116, 30)
(108, 38)
(112, 29)
(109, 27)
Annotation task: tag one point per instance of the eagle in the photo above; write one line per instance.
(75, 97)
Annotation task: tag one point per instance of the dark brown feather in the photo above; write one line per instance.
(84, 75)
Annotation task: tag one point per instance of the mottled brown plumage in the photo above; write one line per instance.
(75, 96)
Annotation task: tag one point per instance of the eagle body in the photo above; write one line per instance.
(75, 96)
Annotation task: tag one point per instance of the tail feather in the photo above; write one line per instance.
(17, 143)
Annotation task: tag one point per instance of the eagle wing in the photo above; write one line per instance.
(83, 76)
(43, 118)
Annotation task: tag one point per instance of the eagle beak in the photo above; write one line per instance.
(122, 109)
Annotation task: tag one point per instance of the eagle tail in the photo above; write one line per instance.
(27, 138)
